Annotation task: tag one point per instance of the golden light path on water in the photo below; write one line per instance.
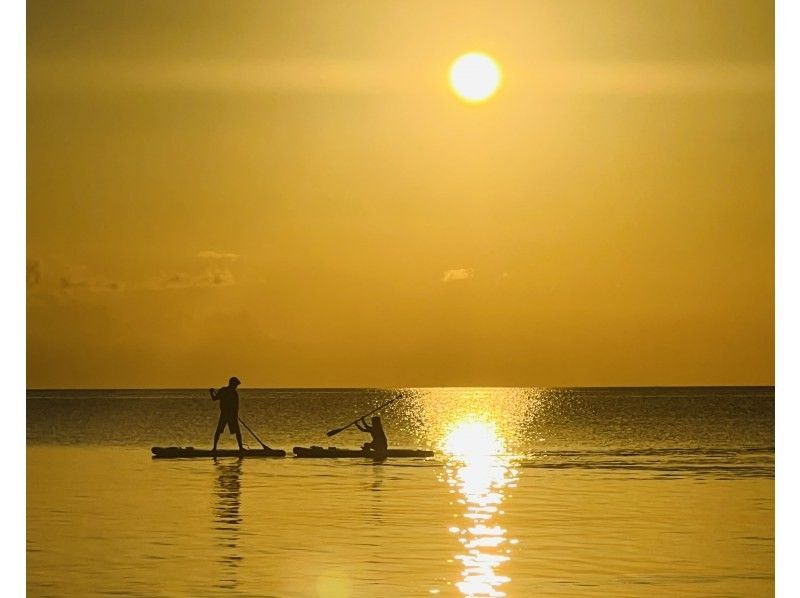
(480, 471)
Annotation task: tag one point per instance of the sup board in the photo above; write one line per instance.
(179, 452)
(318, 452)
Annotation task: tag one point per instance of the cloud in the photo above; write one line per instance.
(218, 255)
(69, 284)
(34, 273)
(657, 77)
(311, 76)
(209, 278)
(458, 274)
(265, 76)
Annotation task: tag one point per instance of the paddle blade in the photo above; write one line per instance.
(334, 432)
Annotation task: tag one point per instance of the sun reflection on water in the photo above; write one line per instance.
(480, 470)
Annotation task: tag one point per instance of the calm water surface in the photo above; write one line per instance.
(572, 492)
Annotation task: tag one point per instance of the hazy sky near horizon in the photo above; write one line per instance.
(289, 192)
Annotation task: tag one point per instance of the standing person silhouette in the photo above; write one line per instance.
(228, 410)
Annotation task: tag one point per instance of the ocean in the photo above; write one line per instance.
(531, 492)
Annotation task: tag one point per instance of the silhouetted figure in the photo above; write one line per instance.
(228, 410)
(379, 442)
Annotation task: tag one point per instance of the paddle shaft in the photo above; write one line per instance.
(337, 430)
(253, 433)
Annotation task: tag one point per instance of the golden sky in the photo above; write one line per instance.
(289, 192)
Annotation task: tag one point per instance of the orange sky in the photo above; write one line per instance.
(289, 192)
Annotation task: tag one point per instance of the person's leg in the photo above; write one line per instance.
(218, 431)
(233, 426)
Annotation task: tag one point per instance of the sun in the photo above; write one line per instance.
(475, 77)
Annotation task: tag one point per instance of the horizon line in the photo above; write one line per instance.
(27, 389)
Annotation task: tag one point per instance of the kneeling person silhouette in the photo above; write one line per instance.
(379, 442)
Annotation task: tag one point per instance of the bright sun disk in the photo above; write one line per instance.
(475, 77)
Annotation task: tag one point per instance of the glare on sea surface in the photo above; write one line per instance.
(473, 439)
(481, 471)
(475, 77)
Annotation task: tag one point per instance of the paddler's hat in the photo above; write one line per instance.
(234, 381)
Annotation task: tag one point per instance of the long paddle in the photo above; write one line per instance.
(266, 448)
(337, 430)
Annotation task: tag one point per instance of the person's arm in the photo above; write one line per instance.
(213, 394)
(362, 425)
